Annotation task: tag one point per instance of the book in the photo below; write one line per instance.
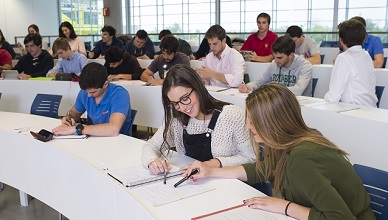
(138, 175)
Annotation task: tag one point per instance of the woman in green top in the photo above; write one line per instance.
(313, 175)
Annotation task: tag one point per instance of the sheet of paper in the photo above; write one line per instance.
(215, 88)
(84, 136)
(130, 82)
(138, 175)
(242, 212)
(159, 194)
(310, 101)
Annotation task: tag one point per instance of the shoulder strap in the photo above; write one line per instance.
(214, 118)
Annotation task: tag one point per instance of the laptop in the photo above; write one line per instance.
(10, 74)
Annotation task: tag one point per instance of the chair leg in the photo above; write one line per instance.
(23, 198)
(1, 186)
(59, 216)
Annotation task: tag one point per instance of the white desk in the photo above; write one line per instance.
(66, 175)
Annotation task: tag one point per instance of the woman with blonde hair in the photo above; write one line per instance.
(313, 175)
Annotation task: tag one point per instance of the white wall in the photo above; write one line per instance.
(17, 15)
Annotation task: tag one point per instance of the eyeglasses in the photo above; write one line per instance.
(184, 100)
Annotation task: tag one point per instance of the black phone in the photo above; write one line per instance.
(43, 135)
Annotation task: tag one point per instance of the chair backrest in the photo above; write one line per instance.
(376, 184)
(322, 58)
(385, 62)
(46, 105)
(315, 81)
(329, 44)
(133, 115)
(379, 93)
(264, 187)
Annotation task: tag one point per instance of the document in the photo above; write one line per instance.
(84, 136)
(138, 175)
(215, 88)
(242, 212)
(159, 194)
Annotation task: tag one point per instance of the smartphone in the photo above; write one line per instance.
(43, 135)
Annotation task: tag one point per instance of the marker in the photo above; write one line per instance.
(187, 177)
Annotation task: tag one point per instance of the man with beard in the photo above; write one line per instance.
(288, 69)
(261, 41)
(108, 35)
(164, 62)
(224, 66)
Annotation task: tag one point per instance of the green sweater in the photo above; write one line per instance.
(322, 179)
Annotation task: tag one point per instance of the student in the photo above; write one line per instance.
(261, 41)
(5, 60)
(70, 61)
(313, 175)
(121, 65)
(163, 63)
(353, 78)
(36, 62)
(66, 30)
(33, 29)
(304, 46)
(6, 46)
(204, 49)
(287, 68)
(198, 125)
(183, 47)
(107, 105)
(224, 66)
(108, 35)
(141, 46)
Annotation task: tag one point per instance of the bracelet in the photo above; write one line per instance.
(285, 210)
(219, 161)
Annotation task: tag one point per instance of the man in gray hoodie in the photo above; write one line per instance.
(287, 68)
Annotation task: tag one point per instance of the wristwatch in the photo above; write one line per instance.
(79, 128)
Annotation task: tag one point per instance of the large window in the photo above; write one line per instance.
(84, 15)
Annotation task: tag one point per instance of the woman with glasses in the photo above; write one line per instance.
(312, 174)
(197, 125)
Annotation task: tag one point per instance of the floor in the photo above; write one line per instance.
(10, 208)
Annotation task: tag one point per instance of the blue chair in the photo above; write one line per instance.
(379, 93)
(376, 184)
(133, 115)
(46, 105)
(322, 58)
(264, 187)
(315, 81)
(326, 43)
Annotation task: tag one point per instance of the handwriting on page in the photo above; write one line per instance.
(159, 194)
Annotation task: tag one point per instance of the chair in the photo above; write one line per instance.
(322, 58)
(133, 115)
(315, 81)
(385, 62)
(329, 44)
(379, 93)
(46, 105)
(376, 184)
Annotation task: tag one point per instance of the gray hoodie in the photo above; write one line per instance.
(297, 77)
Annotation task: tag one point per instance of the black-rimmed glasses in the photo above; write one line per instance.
(184, 100)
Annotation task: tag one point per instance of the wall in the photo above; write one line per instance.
(17, 15)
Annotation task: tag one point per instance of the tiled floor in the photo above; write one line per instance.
(10, 208)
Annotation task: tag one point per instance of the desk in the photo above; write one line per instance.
(65, 175)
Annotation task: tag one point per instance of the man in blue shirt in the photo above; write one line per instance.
(373, 45)
(107, 105)
(70, 61)
(108, 35)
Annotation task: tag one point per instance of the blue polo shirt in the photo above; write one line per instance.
(373, 45)
(116, 99)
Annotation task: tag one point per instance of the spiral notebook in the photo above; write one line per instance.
(138, 175)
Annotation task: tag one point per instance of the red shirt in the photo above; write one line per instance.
(5, 58)
(261, 47)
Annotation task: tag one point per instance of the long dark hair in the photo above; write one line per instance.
(185, 76)
(70, 27)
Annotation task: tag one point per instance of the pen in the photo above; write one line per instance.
(165, 177)
(195, 171)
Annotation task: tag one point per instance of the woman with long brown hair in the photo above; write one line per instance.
(312, 174)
